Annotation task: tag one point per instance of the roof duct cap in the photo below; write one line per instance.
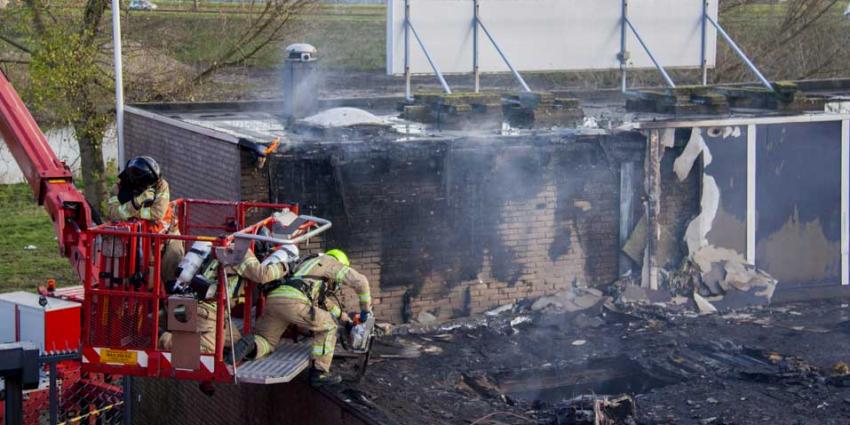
(301, 52)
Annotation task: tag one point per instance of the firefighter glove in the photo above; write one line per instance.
(144, 199)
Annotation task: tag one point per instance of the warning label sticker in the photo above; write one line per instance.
(118, 357)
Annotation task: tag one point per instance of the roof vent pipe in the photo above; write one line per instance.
(300, 81)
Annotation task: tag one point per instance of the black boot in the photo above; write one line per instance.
(320, 378)
(245, 347)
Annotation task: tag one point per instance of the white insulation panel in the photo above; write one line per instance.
(548, 35)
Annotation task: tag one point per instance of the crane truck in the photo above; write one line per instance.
(121, 305)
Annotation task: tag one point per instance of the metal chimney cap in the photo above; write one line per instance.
(301, 51)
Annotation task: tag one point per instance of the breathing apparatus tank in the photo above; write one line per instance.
(191, 264)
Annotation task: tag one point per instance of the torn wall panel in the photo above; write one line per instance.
(728, 147)
(798, 199)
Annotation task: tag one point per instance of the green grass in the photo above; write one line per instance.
(24, 223)
(345, 41)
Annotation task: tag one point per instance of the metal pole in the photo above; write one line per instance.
(407, 94)
(54, 397)
(741, 54)
(119, 80)
(127, 415)
(14, 400)
(443, 82)
(623, 15)
(504, 58)
(475, 71)
(651, 57)
(703, 52)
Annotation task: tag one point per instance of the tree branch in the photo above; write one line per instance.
(15, 44)
(252, 41)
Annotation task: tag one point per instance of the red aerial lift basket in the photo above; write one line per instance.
(124, 293)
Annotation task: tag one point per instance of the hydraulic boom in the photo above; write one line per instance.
(49, 178)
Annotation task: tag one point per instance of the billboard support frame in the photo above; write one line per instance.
(703, 39)
(624, 55)
(408, 27)
(476, 72)
(501, 53)
(648, 51)
(626, 26)
(764, 81)
(407, 94)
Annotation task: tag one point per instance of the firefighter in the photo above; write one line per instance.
(142, 193)
(274, 267)
(302, 299)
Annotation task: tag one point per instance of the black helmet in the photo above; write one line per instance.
(263, 248)
(141, 172)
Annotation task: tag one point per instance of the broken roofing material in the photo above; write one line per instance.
(715, 277)
(721, 274)
(573, 299)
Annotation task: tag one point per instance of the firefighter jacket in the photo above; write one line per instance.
(156, 210)
(323, 275)
(250, 268)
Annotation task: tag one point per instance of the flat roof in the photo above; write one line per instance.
(260, 122)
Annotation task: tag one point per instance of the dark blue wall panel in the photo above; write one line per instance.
(798, 202)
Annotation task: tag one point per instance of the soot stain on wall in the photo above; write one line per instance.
(440, 210)
(798, 198)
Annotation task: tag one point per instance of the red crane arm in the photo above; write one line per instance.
(49, 178)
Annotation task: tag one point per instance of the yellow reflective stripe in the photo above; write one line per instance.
(326, 348)
(277, 271)
(123, 211)
(232, 281)
(249, 259)
(340, 275)
(335, 311)
(145, 213)
(365, 297)
(306, 267)
(263, 346)
(285, 291)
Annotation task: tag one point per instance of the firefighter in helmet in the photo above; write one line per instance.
(273, 267)
(142, 193)
(303, 300)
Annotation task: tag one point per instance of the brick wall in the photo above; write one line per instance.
(460, 226)
(452, 227)
(679, 205)
(196, 164)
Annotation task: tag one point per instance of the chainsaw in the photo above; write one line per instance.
(357, 340)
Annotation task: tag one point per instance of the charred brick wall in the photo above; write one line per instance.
(680, 203)
(196, 163)
(459, 226)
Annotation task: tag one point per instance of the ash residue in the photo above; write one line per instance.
(779, 365)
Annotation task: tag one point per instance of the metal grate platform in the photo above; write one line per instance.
(281, 366)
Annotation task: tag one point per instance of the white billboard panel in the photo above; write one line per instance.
(548, 35)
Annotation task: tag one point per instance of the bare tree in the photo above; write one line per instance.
(771, 44)
(67, 49)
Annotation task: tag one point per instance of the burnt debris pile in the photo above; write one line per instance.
(581, 358)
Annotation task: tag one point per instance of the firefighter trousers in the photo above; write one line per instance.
(281, 312)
